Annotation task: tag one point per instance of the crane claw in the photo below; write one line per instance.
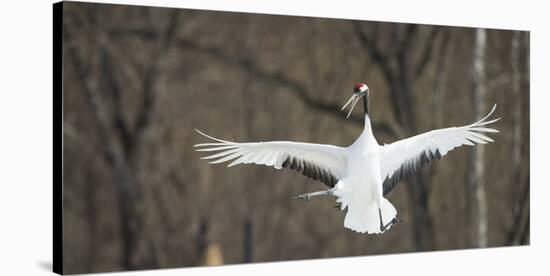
(305, 197)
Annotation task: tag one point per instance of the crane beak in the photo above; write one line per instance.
(353, 101)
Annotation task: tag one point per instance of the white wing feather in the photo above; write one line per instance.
(317, 157)
(406, 156)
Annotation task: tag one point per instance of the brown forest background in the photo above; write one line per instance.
(139, 80)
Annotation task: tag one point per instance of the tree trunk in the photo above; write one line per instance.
(423, 231)
(247, 241)
(401, 73)
(126, 185)
(516, 87)
(477, 169)
(418, 185)
(519, 231)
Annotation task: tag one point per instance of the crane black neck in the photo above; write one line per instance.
(366, 104)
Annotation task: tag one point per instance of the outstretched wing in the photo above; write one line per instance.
(325, 163)
(405, 157)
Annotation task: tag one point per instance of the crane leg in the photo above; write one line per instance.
(307, 197)
(390, 223)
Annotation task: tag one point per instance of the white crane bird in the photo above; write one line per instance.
(359, 175)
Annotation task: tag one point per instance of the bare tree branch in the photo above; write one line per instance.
(148, 98)
(119, 124)
(125, 186)
(438, 93)
(369, 43)
(276, 78)
(405, 42)
(427, 52)
(118, 149)
(279, 79)
(374, 52)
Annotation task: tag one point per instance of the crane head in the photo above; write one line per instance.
(360, 88)
(359, 91)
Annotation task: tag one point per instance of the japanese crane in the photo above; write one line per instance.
(360, 175)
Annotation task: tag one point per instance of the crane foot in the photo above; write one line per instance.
(307, 197)
(390, 223)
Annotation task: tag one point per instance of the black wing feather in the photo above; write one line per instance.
(408, 168)
(310, 170)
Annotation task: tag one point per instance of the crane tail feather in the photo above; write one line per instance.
(363, 217)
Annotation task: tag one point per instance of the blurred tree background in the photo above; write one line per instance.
(139, 80)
